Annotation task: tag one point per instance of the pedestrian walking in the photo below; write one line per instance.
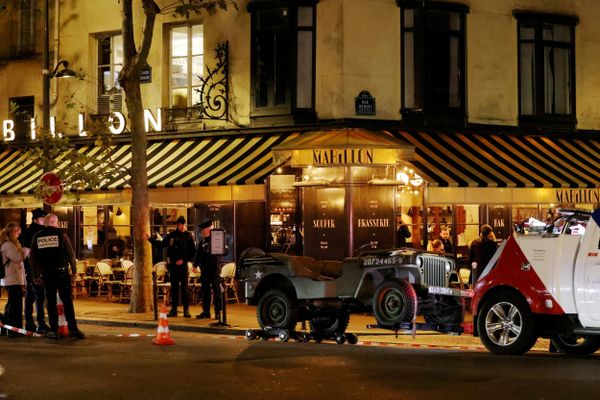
(481, 252)
(34, 292)
(181, 249)
(51, 257)
(13, 255)
(209, 277)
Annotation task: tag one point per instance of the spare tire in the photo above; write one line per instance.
(247, 253)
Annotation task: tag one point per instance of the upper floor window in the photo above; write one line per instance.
(110, 62)
(283, 59)
(546, 70)
(26, 23)
(186, 65)
(433, 61)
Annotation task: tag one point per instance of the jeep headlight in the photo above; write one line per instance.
(448, 266)
(419, 261)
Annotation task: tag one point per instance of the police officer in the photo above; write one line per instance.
(181, 249)
(35, 290)
(209, 277)
(51, 257)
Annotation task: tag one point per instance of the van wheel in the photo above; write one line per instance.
(394, 302)
(576, 345)
(506, 325)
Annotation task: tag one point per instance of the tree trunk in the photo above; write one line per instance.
(141, 300)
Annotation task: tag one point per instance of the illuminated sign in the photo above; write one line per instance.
(578, 195)
(342, 156)
(116, 125)
(373, 223)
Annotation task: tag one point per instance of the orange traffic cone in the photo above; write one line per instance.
(63, 328)
(163, 336)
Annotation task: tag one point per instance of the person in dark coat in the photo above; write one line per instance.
(34, 293)
(181, 249)
(402, 233)
(51, 258)
(209, 276)
(481, 252)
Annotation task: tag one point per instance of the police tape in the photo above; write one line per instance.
(33, 334)
(19, 330)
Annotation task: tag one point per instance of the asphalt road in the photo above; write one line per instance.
(201, 366)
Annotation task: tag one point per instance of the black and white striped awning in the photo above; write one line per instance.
(504, 160)
(217, 161)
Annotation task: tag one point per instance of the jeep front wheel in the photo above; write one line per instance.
(276, 309)
(394, 302)
(505, 324)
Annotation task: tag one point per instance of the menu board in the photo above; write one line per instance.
(372, 217)
(325, 224)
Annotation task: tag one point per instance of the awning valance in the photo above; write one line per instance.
(504, 160)
(348, 146)
(217, 161)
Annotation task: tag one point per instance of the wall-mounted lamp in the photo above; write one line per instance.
(65, 72)
(119, 212)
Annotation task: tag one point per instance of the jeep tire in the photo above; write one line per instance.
(394, 302)
(277, 310)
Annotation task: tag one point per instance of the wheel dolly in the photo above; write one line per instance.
(300, 336)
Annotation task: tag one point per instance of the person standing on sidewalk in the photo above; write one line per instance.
(34, 293)
(14, 280)
(51, 257)
(181, 249)
(209, 277)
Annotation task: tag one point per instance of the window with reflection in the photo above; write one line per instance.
(186, 65)
(110, 62)
(546, 69)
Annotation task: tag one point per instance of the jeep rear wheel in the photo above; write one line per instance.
(394, 302)
(576, 345)
(505, 324)
(276, 309)
(329, 322)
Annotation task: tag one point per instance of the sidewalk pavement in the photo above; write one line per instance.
(241, 317)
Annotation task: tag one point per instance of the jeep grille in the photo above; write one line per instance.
(433, 270)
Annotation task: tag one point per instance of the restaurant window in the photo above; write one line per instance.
(110, 62)
(283, 59)
(546, 70)
(105, 232)
(185, 66)
(433, 62)
(468, 222)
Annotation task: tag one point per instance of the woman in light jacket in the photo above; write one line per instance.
(14, 280)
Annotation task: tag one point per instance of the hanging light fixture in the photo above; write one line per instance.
(119, 212)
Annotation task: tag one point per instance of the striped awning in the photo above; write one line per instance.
(504, 160)
(217, 161)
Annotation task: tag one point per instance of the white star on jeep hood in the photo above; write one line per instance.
(258, 274)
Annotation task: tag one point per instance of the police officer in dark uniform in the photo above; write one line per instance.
(209, 277)
(51, 257)
(35, 290)
(181, 249)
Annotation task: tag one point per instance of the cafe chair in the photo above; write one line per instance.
(80, 283)
(193, 283)
(229, 282)
(105, 280)
(107, 261)
(162, 286)
(127, 285)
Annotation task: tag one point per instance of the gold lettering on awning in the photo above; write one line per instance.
(578, 195)
(342, 156)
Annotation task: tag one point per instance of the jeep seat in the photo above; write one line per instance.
(308, 267)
